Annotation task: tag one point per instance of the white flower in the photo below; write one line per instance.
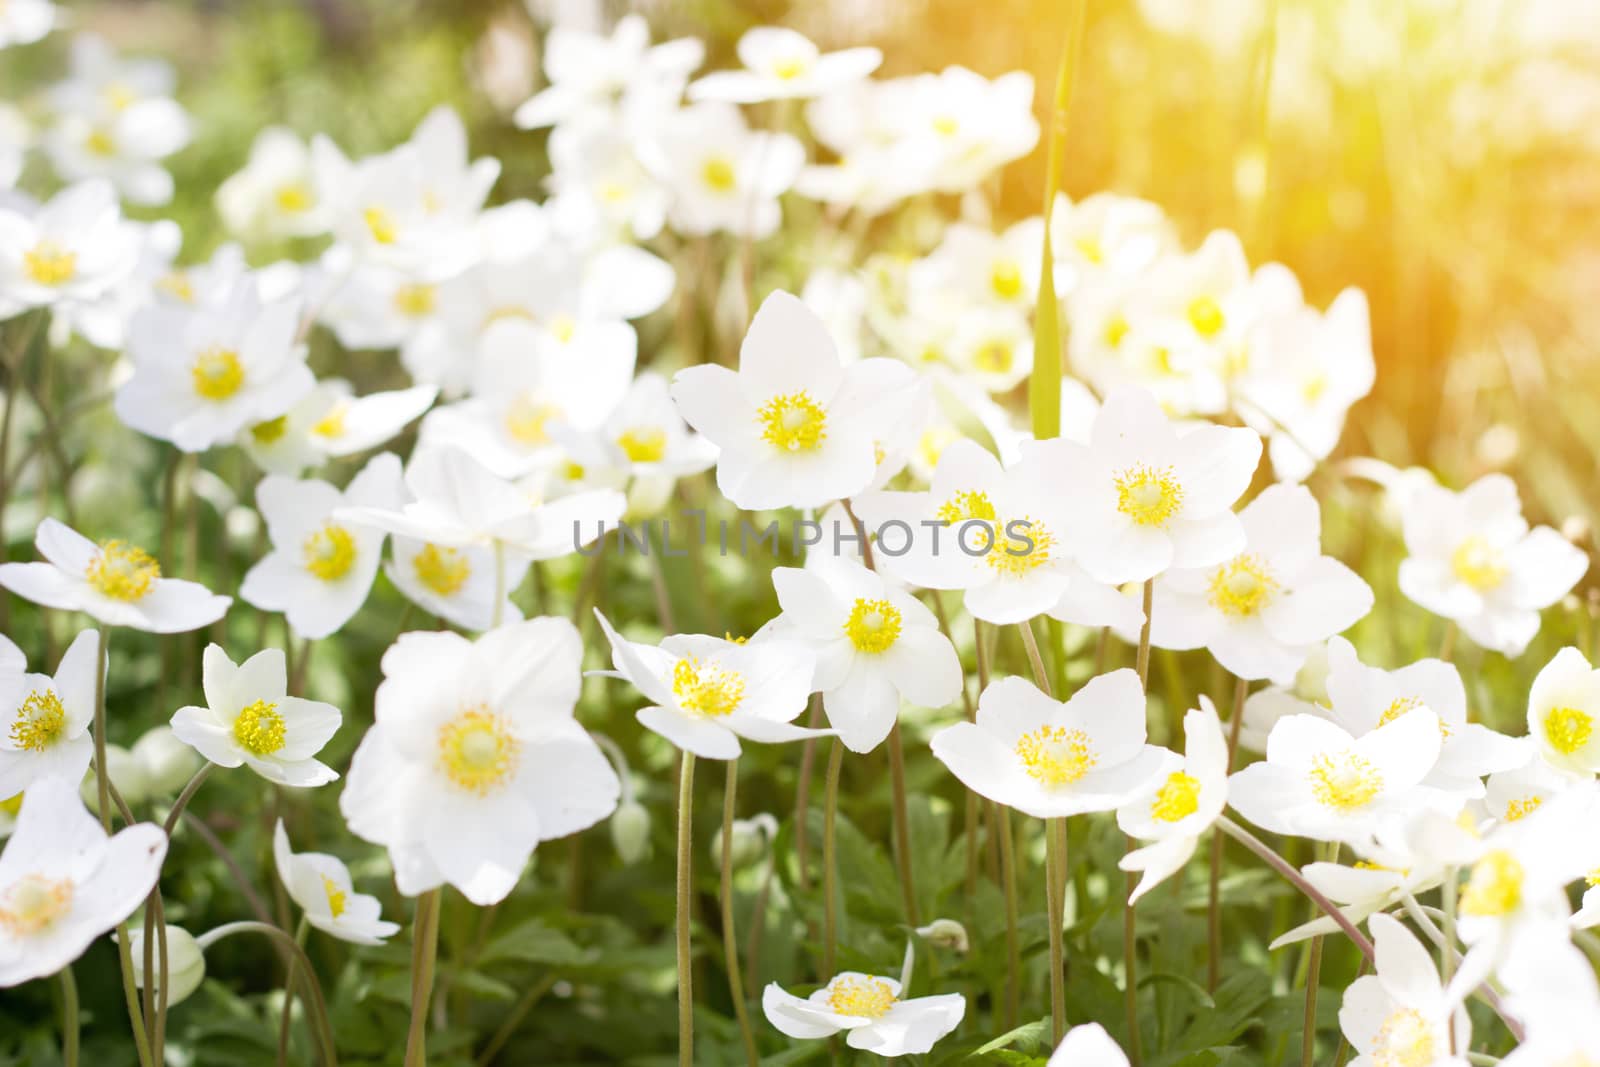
(1550, 986)
(47, 720)
(1184, 805)
(1383, 879)
(1319, 782)
(978, 266)
(1261, 612)
(330, 421)
(75, 248)
(203, 374)
(592, 75)
(26, 21)
(1474, 560)
(167, 763)
(186, 962)
(707, 693)
(781, 64)
(475, 757)
(871, 1012)
(1147, 496)
(874, 643)
(962, 126)
(724, 177)
(321, 885)
(1050, 759)
(645, 436)
(795, 427)
(455, 583)
(1515, 794)
(1400, 1014)
(321, 567)
(249, 719)
(1564, 712)
(114, 582)
(1088, 1045)
(597, 182)
(274, 195)
(1105, 236)
(63, 882)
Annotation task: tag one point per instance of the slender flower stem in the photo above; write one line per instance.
(1308, 1035)
(532, 997)
(1279, 864)
(685, 887)
(187, 795)
(1142, 663)
(830, 859)
(902, 825)
(1241, 690)
(286, 1016)
(1130, 916)
(730, 940)
(1008, 877)
(424, 951)
(69, 1017)
(1054, 876)
(802, 795)
(1035, 661)
(1447, 646)
(311, 987)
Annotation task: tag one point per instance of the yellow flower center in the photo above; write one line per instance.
(791, 68)
(1405, 705)
(1090, 248)
(946, 125)
(1478, 563)
(719, 175)
(32, 903)
(122, 571)
(1206, 317)
(1344, 782)
(793, 423)
(477, 750)
(1495, 887)
(1405, 1039)
(994, 356)
(119, 96)
(1522, 807)
(380, 224)
(41, 720)
(1567, 729)
(1242, 587)
(563, 328)
(1592, 878)
(1150, 496)
(1178, 797)
(100, 143)
(259, 729)
(967, 504)
(1312, 388)
(1055, 756)
(1005, 278)
(217, 373)
(415, 301)
(47, 263)
(444, 570)
(1017, 553)
(330, 552)
(873, 625)
(866, 998)
(178, 285)
(643, 444)
(1116, 328)
(706, 688)
(331, 425)
(528, 420)
(293, 198)
(271, 431)
(335, 895)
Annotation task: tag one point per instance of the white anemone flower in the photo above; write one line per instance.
(1320, 782)
(1400, 1014)
(455, 583)
(1564, 713)
(274, 195)
(1515, 794)
(331, 422)
(321, 567)
(1150, 495)
(475, 757)
(123, 143)
(708, 693)
(869, 1010)
(780, 64)
(1088, 1045)
(1261, 612)
(63, 882)
(322, 886)
(979, 266)
(875, 645)
(1182, 807)
(47, 720)
(1383, 879)
(1551, 988)
(1050, 759)
(114, 582)
(961, 126)
(26, 21)
(74, 248)
(1472, 559)
(250, 720)
(796, 428)
(592, 74)
(724, 176)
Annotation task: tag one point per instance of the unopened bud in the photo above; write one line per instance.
(945, 933)
(750, 839)
(168, 763)
(127, 774)
(186, 964)
(1311, 680)
(630, 831)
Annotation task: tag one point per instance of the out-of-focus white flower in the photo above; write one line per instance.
(724, 176)
(1564, 712)
(964, 126)
(167, 762)
(597, 182)
(186, 963)
(1182, 807)
(1472, 559)
(47, 720)
(321, 885)
(1088, 1045)
(331, 421)
(275, 195)
(1550, 986)
(26, 21)
(1514, 794)
(644, 436)
(751, 839)
(595, 78)
(1400, 1013)
(781, 64)
(1104, 236)
(73, 249)
(977, 266)
(870, 1011)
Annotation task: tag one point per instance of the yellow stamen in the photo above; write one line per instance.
(1055, 756)
(793, 422)
(443, 570)
(643, 444)
(330, 552)
(528, 420)
(1005, 278)
(1406, 1039)
(47, 263)
(217, 373)
(32, 903)
(1522, 807)
(994, 356)
(122, 571)
(946, 125)
(791, 68)
(1345, 782)
(41, 720)
(873, 625)
(967, 504)
(100, 143)
(1478, 563)
(1116, 328)
(1568, 730)
(718, 174)
(1495, 887)
(1242, 587)
(335, 895)
(1028, 549)
(178, 285)
(866, 998)
(259, 729)
(1090, 248)
(331, 425)
(415, 301)
(706, 688)
(1178, 797)
(271, 431)
(477, 750)
(294, 198)
(1150, 496)
(1206, 317)
(380, 225)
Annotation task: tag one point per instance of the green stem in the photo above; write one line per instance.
(1142, 662)
(1008, 877)
(69, 1017)
(424, 952)
(1054, 867)
(1035, 661)
(1308, 1038)
(1241, 691)
(902, 825)
(830, 860)
(532, 997)
(684, 888)
(1279, 864)
(286, 1017)
(312, 988)
(730, 940)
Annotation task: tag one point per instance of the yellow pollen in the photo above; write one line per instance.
(564, 328)
(1522, 807)
(1406, 1039)
(946, 126)
(1592, 878)
(791, 68)
(443, 570)
(793, 422)
(477, 750)
(41, 720)
(259, 729)
(718, 174)
(866, 998)
(271, 431)
(1054, 756)
(1150, 496)
(706, 688)
(1005, 278)
(1018, 554)
(330, 552)
(643, 444)
(1368, 865)
(415, 301)
(294, 198)
(1116, 328)
(1091, 249)
(331, 425)
(873, 625)
(122, 571)
(1178, 797)
(528, 420)
(994, 357)
(380, 225)
(1495, 887)
(1312, 388)
(1346, 782)
(32, 903)
(1402, 705)
(1242, 587)
(1568, 730)
(335, 895)
(119, 96)
(614, 192)
(1206, 317)
(967, 504)
(572, 472)
(177, 285)
(217, 373)
(49, 264)
(1478, 563)
(727, 635)
(100, 143)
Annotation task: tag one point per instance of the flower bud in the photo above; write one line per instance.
(168, 763)
(630, 831)
(127, 774)
(1311, 680)
(186, 964)
(750, 839)
(945, 933)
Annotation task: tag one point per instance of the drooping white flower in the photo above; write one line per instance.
(455, 583)
(1182, 807)
(26, 21)
(1051, 759)
(73, 249)
(321, 885)
(869, 1010)
(321, 567)
(249, 719)
(1382, 879)
(63, 882)
(724, 176)
(1400, 1013)
(1472, 559)
(1088, 1045)
(47, 720)
(781, 64)
(475, 757)
(1564, 713)
(114, 582)
(275, 194)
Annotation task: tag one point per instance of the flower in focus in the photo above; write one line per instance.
(63, 882)
(321, 885)
(1564, 713)
(113, 582)
(1400, 1013)
(47, 720)
(250, 719)
(1088, 1045)
(1182, 807)
(781, 64)
(73, 249)
(475, 757)
(869, 1010)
